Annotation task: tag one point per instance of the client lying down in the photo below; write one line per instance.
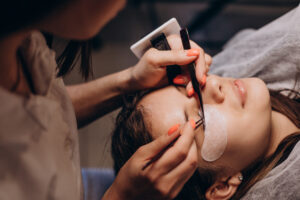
(250, 147)
(249, 131)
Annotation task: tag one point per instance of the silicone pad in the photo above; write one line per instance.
(215, 135)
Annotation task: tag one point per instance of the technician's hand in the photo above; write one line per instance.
(203, 63)
(202, 69)
(150, 71)
(163, 178)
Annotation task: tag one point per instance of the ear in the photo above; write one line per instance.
(224, 188)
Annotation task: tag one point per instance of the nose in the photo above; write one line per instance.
(213, 90)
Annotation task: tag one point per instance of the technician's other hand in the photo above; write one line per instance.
(150, 71)
(202, 69)
(203, 63)
(163, 178)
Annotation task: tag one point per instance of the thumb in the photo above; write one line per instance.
(171, 57)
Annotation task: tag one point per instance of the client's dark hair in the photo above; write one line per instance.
(131, 133)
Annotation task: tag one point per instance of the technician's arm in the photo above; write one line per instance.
(96, 98)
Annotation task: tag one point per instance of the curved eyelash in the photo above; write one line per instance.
(201, 121)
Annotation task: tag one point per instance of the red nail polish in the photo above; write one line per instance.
(173, 129)
(179, 80)
(193, 52)
(193, 123)
(191, 91)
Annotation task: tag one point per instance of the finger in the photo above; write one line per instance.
(208, 59)
(202, 62)
(182, 173)
(175, 42)
(152, 149)
(180, 80)
(206, 68)
(189, 89)
(200, 67)
(173, 57)
(178, 152)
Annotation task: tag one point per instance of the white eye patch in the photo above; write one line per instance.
(215, 134)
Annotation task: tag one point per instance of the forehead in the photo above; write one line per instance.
(162, 109)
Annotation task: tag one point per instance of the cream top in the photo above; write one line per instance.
(39, 153)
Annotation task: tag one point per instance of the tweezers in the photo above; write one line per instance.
(191, 68)
(161, 43)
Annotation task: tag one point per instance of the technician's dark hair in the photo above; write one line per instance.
(131, 133)
(74, 51)
(19, 14)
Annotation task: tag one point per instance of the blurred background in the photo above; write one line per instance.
(211, 24)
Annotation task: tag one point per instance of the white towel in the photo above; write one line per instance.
(271, 53)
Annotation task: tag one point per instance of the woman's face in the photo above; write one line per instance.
(247, 114)
(81, 19)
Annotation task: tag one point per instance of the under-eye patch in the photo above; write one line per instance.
(215, 134)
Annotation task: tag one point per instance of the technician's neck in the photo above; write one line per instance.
(281, 127)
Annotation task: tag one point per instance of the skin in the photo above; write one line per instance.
(81, 20)
(253, 129)
(90, 17)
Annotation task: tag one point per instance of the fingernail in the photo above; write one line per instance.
(203, 81)
(191, 91)
(179, 80)
(193, 123)
(193, 52)
(173, 129)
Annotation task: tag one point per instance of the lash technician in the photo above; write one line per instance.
(39, 115)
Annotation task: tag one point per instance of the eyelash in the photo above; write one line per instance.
(200, 121)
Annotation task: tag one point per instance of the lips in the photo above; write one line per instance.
(241, 89)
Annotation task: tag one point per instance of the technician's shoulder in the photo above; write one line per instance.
(39, 153)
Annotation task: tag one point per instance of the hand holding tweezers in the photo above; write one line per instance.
(160, 42)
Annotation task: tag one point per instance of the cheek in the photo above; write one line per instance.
(248, 137)
(97, 14)
(259, 98)
(251, 126)
(255, 122)
(101, 13)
